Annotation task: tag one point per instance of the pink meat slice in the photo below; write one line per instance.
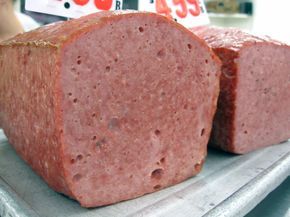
(253, 106)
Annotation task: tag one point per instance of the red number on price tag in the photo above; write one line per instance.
(81, 2)
(196, 10)
(162, 8)
(183, 12)
(104, 4)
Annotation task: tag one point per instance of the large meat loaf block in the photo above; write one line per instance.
(254, 103)
(110, 106)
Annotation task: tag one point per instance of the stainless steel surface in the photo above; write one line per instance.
(229, 185)
(276, 204)
(244, 200)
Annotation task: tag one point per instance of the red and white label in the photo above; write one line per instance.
(72, 8)
(189, 13)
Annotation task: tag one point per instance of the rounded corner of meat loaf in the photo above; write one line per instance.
(122, 107)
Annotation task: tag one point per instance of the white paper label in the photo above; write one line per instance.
(189, 13)
(72, 8)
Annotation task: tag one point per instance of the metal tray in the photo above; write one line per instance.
(229, 185)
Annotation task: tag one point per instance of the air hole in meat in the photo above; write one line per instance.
(72, 161)
(70, 94)
(185, 106)
(131, 176)
(189, 46)
(157, 174)
(116, 60)
(180, 68)
(243, 124)
(197, 166)
(95, 86)
(207, 74)
(266, 90)
(108, 68)
(94, 115)
(94, 138)
(141, 29)
(123, 36)
(157, 132)
(202, 132)
(245, 132)
(61, 131)
(161, 53)
(163, 93)
(157, 187)
(75, 100)
(77, 177)
(101, 142)
(206, 61)
(126, 153)
(79, 157)
(78, 60)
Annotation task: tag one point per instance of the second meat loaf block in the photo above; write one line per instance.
(110, 106)
(254, 102)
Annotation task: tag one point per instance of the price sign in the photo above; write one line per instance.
(189, 13)
(72, 8)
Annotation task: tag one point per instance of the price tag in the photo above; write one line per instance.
(189, 13)
(72, 8)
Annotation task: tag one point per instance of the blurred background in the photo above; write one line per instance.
(270, 17)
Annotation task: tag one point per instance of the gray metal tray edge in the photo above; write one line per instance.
(273, 176)
(11, 204)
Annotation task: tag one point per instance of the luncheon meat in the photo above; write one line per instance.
(253, 106)
(110, 106)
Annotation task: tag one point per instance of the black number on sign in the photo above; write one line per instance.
(67, 5)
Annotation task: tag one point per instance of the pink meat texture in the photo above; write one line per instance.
(254, 102)
(110, 106)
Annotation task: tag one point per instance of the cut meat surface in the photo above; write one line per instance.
(253, 106)
(110, 106)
